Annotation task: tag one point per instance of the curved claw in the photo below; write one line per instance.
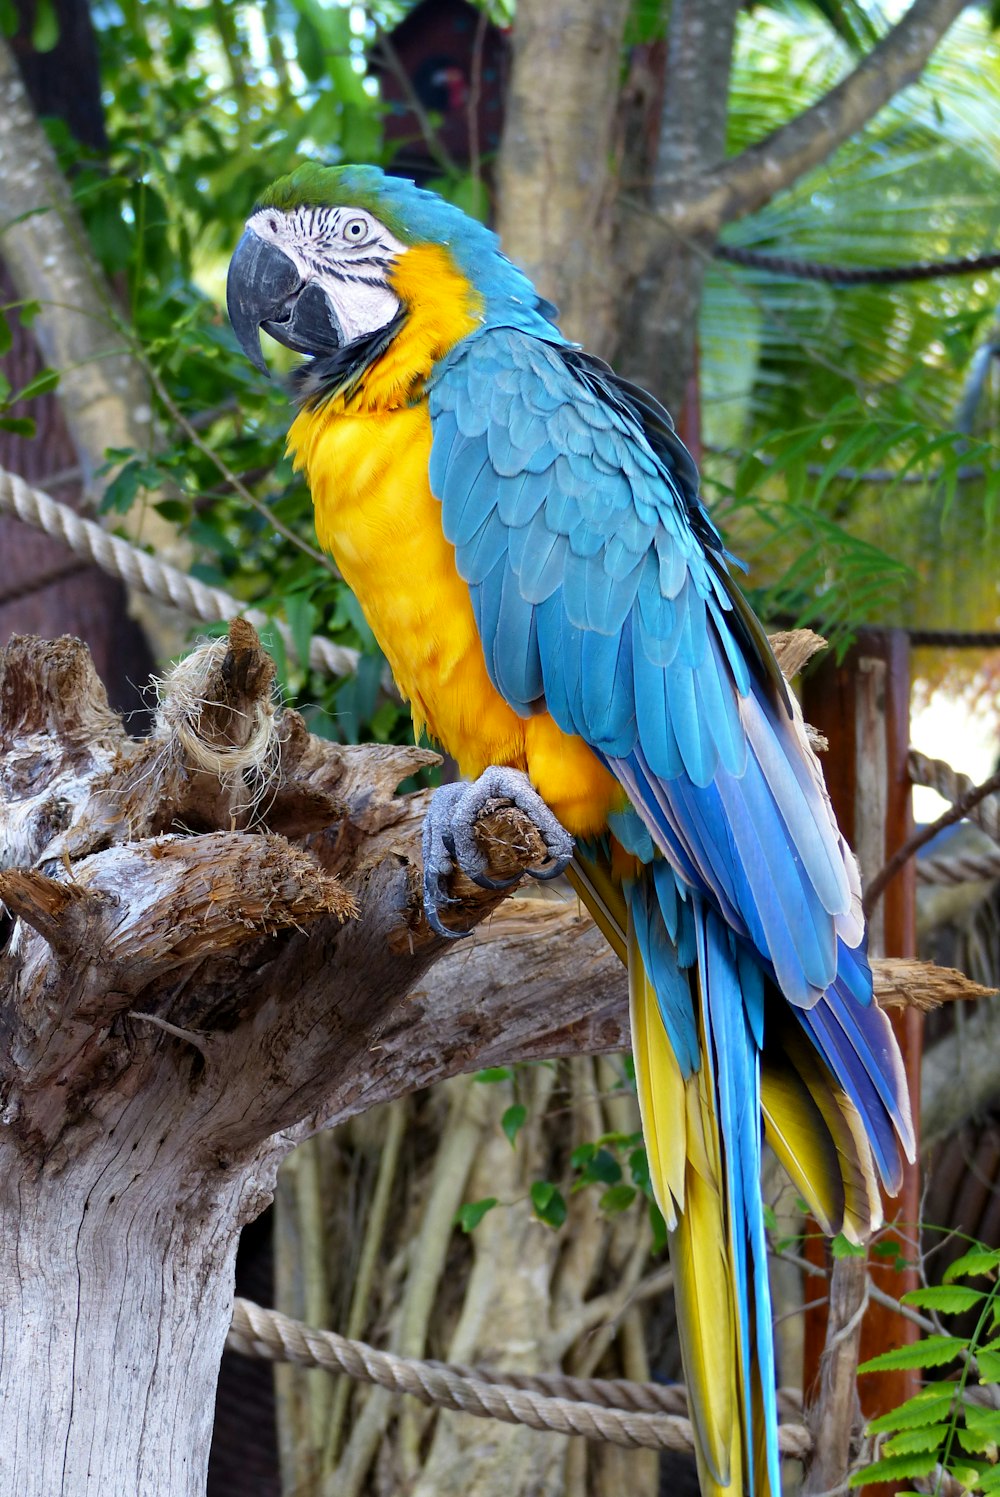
(559, 865)
(434, 921)
(485, 882)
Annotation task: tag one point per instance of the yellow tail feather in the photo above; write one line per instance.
(681, 1132)
(816, 1132)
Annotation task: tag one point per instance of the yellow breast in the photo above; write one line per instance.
(367, 463)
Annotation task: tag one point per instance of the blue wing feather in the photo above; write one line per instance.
(602, 593)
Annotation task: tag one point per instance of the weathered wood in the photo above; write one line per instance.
(179, 985)
(208, 940)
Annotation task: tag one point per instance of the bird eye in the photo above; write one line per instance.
(272, 224)
(355, 229)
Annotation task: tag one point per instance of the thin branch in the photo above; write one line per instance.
(858, 275)
(876, 1295)
(235, 483)
(435, 145)
(919, 839)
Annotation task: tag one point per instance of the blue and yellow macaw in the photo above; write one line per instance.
(523, 531)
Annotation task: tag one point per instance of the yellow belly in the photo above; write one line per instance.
(376, 514)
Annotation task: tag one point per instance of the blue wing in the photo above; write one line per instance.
(602, 593)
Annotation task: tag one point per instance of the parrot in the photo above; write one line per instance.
(524, 532)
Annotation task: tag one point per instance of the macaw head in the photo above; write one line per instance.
(319, 266)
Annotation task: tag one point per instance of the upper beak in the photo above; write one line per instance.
(265, 290)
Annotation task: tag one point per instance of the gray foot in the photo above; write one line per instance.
(449, 841)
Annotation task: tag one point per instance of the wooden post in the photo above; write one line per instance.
(862, 706)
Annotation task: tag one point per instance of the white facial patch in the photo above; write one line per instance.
(347, 252)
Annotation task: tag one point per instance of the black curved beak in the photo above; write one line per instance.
(265, 290)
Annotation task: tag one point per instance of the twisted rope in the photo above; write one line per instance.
(855, 275)
(952, 786)
(970, 868)
(620, 1413)
(139, 570)
(955, 639)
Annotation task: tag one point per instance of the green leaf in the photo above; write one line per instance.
(44, 381)
(646, 21)
(513, 1120)
(309, 49)
(841, 1248)
(174, 510)
(894, 1468)
(468, 193)
(548, 1203)
(302, 619)
(933, 1351)
(471, 1214)
(925, 1407)
(121, 491)
(972, 1264)
(975, 1443)
(988, 1481)
(45, 32)
(494, 1073)
(617, 1199)
(20, 426)
(638, 1163)
(985, 1422)
(909, 1441)
(582, 1154)
(988, 1363)
(602, 1167)
(951, 1299)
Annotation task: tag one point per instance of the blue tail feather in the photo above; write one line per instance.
(730, 1031)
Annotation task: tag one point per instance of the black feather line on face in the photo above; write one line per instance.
(340, 373)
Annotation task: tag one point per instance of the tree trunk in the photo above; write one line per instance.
(44, 587)
(80, 330)
(118, 1289)
(556, 169)
(658, 349)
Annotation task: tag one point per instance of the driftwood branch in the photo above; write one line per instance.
(212, 943)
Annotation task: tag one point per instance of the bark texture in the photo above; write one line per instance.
(556, 172)
(44, 587)
(660, 324)
(48, 255)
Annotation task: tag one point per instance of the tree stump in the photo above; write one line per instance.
(203, 935)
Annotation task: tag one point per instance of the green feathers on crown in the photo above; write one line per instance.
(416, 216)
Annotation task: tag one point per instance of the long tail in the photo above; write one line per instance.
(717, 1049)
